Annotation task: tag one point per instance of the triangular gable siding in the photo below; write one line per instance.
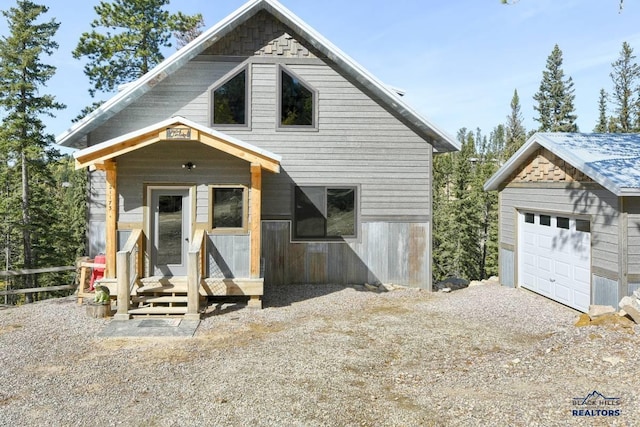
(544, 166)
(261, 35)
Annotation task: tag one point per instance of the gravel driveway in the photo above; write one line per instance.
(325, 356)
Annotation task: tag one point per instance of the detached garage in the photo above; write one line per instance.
(570, 217)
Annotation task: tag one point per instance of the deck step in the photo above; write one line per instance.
(161, 289)
(151, 299)
(158, 310)
(161, 280)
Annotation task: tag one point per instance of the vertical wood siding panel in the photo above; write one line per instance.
(378, 252)
(228, 256)
(241, 259)
(605, 291)
(297, 266)
(316, 261)
(382, 256)
(398, 241)
(419, 256)
(275, 251)
(507, 268)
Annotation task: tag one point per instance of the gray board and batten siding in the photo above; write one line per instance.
(357, 142)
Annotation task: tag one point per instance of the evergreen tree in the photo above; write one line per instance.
(555, 97)
(190, 32)
(603, 123)
(516, 133)
(456, 218)
(487, 165)
(625, 75)
(127, 40)
(498, 143)
(23, 140)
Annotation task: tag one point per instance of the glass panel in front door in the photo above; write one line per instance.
(170, 238)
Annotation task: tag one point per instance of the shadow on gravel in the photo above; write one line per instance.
(285, 295)
(281, 296)
(218, 306)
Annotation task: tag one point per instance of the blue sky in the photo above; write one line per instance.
(459, 61)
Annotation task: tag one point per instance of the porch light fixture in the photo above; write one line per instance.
(189, 165)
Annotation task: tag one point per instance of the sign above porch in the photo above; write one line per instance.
(176, 129)
(179, 133)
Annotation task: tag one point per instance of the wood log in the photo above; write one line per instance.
(99, 310)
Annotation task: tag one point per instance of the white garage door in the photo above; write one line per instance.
(554, 257)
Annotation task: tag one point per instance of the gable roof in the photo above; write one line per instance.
(76, 135)
(97, 154)
(610, 159)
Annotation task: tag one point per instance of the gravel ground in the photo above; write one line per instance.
(323, 356)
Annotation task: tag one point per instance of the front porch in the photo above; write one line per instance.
(177, 295)
(175, 243)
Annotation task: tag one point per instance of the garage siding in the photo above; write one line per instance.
(600, 204)
(632, 207)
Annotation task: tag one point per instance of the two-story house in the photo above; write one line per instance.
(257, 154)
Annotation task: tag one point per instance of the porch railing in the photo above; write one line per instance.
(128, 272)
(195, 271)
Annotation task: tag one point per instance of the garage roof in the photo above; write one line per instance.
(387, 97)
(610, 159)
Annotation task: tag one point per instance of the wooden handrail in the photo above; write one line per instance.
(126, 280)
(35, 290)
(195, 271)
(35, 271)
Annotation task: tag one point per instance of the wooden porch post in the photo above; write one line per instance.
(255, 227)
(111, 234)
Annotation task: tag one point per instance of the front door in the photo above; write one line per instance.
(170, 231)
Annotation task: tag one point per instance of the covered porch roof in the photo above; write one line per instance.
(175, 129)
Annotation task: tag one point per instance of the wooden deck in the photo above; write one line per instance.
(168, 296)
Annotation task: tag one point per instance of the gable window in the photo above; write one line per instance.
(230, 101)
(228, 208)
(324, 212)
(297, 102)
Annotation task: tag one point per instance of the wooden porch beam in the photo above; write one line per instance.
(111, 226)
(256, 217)
(241, 153)
(118, 150)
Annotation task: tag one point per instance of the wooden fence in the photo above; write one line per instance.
(17, 273)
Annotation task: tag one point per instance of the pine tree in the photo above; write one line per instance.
(625, 75)
(127, 40)
(487, 165)
(516, 133)
(603, 123)
(456, 218)
(23, 140)
(555, 97)
(189, 32)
